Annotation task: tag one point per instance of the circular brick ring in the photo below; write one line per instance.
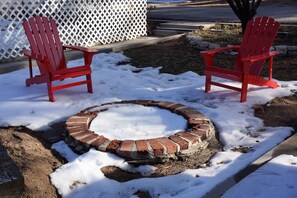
(198, 133)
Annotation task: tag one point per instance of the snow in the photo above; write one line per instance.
(81, 176)
(137, 122)
(277, 178)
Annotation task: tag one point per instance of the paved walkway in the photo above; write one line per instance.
(284, 14)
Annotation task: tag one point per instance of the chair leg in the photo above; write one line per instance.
(90, 87)
(244, 91)
(207, 83)
(28, 83)
(50, 91)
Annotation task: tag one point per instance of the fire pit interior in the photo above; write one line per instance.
(121, 128)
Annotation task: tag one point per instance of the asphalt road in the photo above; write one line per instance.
(284, 14)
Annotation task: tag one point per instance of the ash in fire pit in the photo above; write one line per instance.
(171, 129)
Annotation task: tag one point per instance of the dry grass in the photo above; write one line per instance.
(179, 56)
(231, 35)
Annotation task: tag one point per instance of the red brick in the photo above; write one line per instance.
(75, 125)
(202, 134)
(198, 123)
(92, 115)
(187, 136)
(77, 135)
(143, 102)
(130, 101)
(113, 146)
(78, 119)
(175, 106)
(199, 120)
(198, 116)
(157, 147)
(195, 122)
(205, 127)
(185, 110)
(91, 137)
(170, 145)
(183, 144)
(142, 147)
(125, 148)
(101, 140)
(77, 129)
(164, 104)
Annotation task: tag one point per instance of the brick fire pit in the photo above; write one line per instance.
(197, 134)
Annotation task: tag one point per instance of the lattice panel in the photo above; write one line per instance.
(80, 22)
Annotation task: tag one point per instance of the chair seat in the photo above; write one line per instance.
(71, 72)
(224, 73)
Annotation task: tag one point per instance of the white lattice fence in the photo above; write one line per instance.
(80, 22)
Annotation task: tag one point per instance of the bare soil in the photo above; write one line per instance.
(279, 112)
(34, 158)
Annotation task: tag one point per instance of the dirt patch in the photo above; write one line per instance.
(178, 56)
(34, 158)
(175, 57)
(279, 112)
(242, 149)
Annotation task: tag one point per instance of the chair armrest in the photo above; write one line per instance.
(82, 49)
(31, 54)
(252, 59)
(222, 49)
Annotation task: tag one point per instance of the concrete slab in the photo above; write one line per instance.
(289, 147)
(187, 25)
(168, 32)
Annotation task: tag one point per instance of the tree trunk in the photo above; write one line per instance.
(244, 22)
(244, 10)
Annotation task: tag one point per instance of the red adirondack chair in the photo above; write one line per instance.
(252, 53)
(47, 50)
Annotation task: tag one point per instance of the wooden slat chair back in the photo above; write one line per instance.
(257, 39)
(252, 53)
(44, 40)
(47, 49)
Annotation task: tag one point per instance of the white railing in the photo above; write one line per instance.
(80, 22)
